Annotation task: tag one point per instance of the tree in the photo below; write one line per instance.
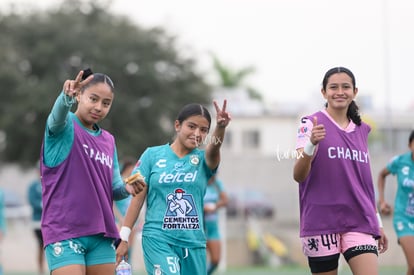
(39, 50)
(231, 78)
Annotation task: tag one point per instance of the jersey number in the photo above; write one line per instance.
(173, 265)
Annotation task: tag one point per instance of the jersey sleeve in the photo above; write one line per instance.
(392, 165)
(58, 117)
(118, 185)
(59, 132)
(33, 197)
(143, 165)
(220, 186)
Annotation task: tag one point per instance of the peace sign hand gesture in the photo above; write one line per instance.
(73, 87)
(223, 117)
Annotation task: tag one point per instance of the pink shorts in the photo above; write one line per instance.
(331, 244)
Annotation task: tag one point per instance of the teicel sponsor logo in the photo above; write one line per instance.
(177, 177)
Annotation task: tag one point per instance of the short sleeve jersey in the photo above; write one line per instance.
(122, 205)
(212, 196)
(176, 188)
(34, 195)
(403, 167)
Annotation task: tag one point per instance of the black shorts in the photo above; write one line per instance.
(39, 237)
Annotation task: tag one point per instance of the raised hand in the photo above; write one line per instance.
(223, 117)
(318, 132)
(73, 87)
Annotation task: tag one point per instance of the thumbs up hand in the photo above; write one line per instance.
(318, 132)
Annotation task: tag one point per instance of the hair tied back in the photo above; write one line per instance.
(87, 72)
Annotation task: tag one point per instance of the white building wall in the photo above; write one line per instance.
(275, 134)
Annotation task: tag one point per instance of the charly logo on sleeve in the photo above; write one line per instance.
(181, 212)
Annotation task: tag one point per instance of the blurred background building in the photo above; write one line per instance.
(290, 54)
(257, 162)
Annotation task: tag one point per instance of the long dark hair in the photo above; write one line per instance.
(194, 109)
(353, 109)
(97, 78)
(411, 138)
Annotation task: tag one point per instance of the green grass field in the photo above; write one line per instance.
(288, 270)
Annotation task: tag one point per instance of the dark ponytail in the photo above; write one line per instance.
(97, 78)
(353, 113)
